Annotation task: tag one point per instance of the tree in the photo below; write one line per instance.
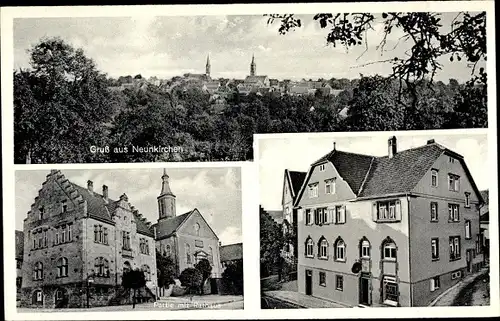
(134, 279)
(166, 270)
(234, 274)
(205, 269)
(61, 106)
(271, 244)
(430, 41)
(192, 279)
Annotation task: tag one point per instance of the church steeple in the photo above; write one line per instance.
(207, 67)
(253, 66)
(166, 200)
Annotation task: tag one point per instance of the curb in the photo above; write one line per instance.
(439, 297)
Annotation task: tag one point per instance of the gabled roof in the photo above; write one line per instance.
(351, 167)
(370, 176)
(97, 208)
(253, 79)
(167, 227)
(295, 181)
(19, 244)
(231, 252)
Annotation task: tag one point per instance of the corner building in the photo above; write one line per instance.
(387, 231)
(78, 244)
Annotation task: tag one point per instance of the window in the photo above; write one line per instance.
(63, 234)
(58, 237)
(167, 248)
(64, 206)
(339, 214)
(45, 238)
(390, 290)
(453, 213)
(435, 249)
(38, 271)
(309, 247)
(434, 178)
(467, 230)
(339, 283)
(102, 267)
(434, 211)
(320, 216)
(388, 210)
(456, 275)
(323, 248)
(389, 250)
(454, 248)
(38, 296)
(70, 233)
(330, 186)
(19, 264)
(322, 167)
(322, 278)
(147, 272)
(313, 190)
(453, 182)
(365, 249)
(41, 212)
(340, 250)
(105, 239)
(478, 243)
(144, 246)
(62, 267)
(188, 254)
(451, 159)
(96, 233)
(467, 199)
(197, 229)
(308, 216)
(435, 283)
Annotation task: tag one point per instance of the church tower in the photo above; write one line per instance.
(166, 200)
(253, 67)
(207, 67)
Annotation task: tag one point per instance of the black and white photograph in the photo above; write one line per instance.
(152, 88)
(386, 219)
(129, 239)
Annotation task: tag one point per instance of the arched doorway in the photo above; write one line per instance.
(61, 298)
(37, 298)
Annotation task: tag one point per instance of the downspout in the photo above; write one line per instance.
(85, 272)
(409, 250)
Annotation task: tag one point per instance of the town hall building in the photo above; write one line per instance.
(397, 230)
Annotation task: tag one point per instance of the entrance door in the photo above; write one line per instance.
(213, 286)
(364, 288)
(468, 258)
(308, 282)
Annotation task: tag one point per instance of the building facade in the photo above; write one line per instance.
(19, 263)
(387, 231)
(78, 244)
(186, 238)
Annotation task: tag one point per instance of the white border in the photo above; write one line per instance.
(250, 193)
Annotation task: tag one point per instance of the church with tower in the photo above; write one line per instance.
(186, 238)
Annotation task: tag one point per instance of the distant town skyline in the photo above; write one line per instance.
(169, 46)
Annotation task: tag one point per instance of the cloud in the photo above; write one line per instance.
(230, 235)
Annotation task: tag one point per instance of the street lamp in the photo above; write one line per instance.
(90, 280)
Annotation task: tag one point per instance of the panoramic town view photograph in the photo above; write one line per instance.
(196, 88)
(148, 239)
(386, 219)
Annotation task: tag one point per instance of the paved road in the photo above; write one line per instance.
(464, 292)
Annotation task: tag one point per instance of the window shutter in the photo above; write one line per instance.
(343, 213)
(316, 220)
(432, 285)
(300, 214)
(374, 211)
(398, 210)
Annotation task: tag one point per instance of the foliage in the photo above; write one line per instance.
(166, 270)
(271, 244)
(234, 274)
(134, 279)
(192, 279)
(64, 105)
(205, 269)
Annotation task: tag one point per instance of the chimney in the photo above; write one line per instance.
(430, 141)
(105, 192)
(90, 186)
(334, 146)
(393, 148)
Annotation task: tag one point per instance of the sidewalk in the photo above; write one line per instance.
(302, 300)
(448, 297)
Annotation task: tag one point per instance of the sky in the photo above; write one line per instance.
(168, 46)
(297, 153)
(215, 192)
